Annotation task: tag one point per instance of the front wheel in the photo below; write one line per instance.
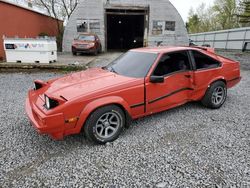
(105, 124)
(215, 96)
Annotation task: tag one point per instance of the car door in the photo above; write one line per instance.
(206, 69)
(176, 70)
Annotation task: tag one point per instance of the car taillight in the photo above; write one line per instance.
(50, 103)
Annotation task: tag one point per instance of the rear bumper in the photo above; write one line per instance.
(52, 125)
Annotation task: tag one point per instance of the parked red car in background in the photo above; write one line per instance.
(86, 43)
(101, 101)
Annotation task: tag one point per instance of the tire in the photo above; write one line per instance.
(95, 53)
(105, 124)
(74, 53)
(215, 96)
(100, 49)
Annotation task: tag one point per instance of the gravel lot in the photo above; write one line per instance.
(189, 146)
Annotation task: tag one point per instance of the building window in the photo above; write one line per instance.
(157, 27)
(169, 26)
(84, 25)
(163, 27)
(94, 26)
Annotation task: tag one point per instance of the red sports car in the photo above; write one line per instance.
(102, 101)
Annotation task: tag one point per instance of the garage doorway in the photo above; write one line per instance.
(125, 29)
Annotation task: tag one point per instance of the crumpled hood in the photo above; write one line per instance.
(84, 83)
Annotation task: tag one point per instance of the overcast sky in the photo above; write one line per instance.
(183, 6)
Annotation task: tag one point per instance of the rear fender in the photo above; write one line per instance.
(217, 79)
(202, 91)
(92, 106)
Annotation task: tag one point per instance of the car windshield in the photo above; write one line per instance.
(133, 64)
(86, 37)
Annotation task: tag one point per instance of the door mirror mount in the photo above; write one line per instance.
(156, 79)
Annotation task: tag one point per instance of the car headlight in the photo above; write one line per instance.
(47, 102)
(37, 86)
(50, 103)
(91, 44)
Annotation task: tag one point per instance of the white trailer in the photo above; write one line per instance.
(30, 50)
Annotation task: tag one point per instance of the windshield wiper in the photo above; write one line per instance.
(112, 70)
(104, 68)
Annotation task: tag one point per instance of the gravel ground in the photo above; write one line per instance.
(189, 146)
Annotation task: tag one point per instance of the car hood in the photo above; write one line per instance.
(85, 83)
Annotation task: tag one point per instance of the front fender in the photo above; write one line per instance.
(93, 105)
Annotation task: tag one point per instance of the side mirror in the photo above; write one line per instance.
(156, 79)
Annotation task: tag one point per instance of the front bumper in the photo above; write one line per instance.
(52, 125)
(83, 50)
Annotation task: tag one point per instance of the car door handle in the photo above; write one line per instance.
(188, 76)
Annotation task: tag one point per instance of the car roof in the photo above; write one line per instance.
(165, 49)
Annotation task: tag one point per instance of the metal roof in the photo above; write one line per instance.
(27, 8)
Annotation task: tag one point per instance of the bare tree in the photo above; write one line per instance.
(61, 9)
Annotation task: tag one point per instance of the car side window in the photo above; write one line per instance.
(172, 62)
(203, 61)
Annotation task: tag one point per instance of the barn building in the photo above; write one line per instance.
(125, 24)
(24, 22)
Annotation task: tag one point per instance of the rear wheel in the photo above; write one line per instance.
(105, 124)
(215, 96)
(74, 53)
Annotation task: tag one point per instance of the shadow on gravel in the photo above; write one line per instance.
(74, 141)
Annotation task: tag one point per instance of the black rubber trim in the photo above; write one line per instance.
(137, 105)
(170, 94)
(233, 79)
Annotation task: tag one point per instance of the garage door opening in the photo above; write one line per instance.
(125, 31)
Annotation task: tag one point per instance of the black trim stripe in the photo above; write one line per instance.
(137, 105)
(170, 94)
(233, 79)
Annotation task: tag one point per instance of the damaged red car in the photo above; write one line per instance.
(102, 101)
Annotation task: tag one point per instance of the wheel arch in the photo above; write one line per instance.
(210, 83)
(101, 102)
(216, 80)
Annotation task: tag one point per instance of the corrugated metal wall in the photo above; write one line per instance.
(233, 39)
(159, 10)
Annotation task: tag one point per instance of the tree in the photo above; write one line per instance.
(226, 14)
(244, 13)
(59, 10)
(222, 15)
(201, 20)
(193, 24)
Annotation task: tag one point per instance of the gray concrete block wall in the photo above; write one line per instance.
(161, 10)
